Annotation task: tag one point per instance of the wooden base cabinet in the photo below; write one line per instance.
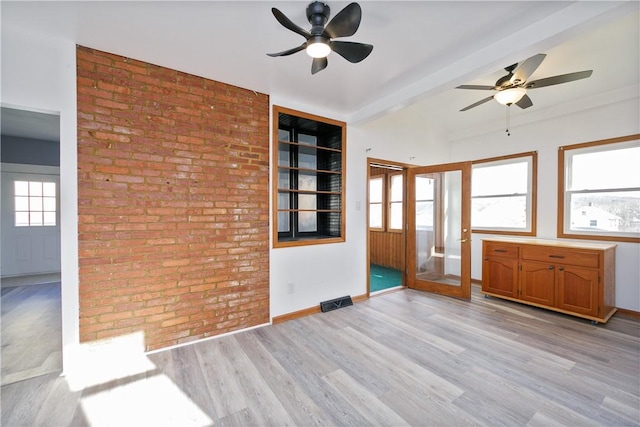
(500, 269)
(578, 290)
(537, 283)
(572, 278)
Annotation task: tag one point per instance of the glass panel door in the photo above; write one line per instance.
(439, 258)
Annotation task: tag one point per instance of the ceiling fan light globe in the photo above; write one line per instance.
(318, 48)
(510, 96)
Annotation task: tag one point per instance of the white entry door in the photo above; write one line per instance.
(30, 220)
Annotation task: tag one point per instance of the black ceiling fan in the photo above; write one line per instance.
(512, 88)
(319, 40)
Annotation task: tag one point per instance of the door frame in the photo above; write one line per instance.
(404, 167)
(47, 171)
(464, 290)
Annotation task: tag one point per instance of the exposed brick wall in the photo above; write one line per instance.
(173, 176)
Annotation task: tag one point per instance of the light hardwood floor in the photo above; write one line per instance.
(31, 331)
(401, 358)
(32, 279)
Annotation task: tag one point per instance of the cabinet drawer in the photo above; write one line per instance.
(560, 255)
(493, 249)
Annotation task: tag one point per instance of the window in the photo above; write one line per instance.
(503, 195)
(376, 198)
(35, 203)
(425, 199)
(599, 190)
(309, 193)
(386, 194)
(396, 191)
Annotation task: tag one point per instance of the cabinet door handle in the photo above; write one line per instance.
(556, 256)
(551, 267)
(561, 268)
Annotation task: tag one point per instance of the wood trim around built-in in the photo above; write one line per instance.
(274, 181)
(561, 194)
(310, 310)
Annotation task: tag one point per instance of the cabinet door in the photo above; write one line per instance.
(500, 276)
(537, 282)
(577, 290)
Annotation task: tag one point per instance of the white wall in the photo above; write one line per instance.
(404, 137)
(342, 267)
(544, 132)
(39, 74)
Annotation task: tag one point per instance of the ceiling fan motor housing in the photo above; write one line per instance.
(504, 82)
(319, 41)
(318, 14)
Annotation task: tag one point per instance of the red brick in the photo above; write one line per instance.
(173, 198)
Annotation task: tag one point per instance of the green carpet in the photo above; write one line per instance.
(384, 278)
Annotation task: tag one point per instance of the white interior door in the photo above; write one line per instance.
(30, 235)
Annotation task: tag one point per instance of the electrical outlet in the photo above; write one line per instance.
(291, 288)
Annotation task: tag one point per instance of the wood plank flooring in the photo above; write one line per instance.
(30, 279)
(401, 358)
(31, 331)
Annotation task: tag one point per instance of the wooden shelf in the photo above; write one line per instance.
(309, 170)
(310, 210)
(319, 147)
(288, 190)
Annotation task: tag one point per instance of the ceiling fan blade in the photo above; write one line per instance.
(556, 80)
(289, 51)
(524, 71)
(482, 101)
(351, 51)
(345, 23)
(318, 64)
(477, 87)
(525, 102)
(287, 23)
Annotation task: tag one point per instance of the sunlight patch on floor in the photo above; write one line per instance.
(121, 386)
(154, 401)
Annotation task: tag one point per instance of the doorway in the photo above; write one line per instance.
(439, 229)
(386, 225)
(31, 317)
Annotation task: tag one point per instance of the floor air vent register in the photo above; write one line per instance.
(334, 304)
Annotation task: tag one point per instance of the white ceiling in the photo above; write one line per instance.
(422, 49)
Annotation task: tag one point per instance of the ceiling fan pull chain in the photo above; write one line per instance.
(508, 119)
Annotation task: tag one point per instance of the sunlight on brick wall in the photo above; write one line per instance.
(173, 199)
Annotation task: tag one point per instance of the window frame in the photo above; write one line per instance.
(532, 194)
(305, 238)
(30, 198)
(390, 169)
(389, 178)
(564, 196)
(382, 203)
